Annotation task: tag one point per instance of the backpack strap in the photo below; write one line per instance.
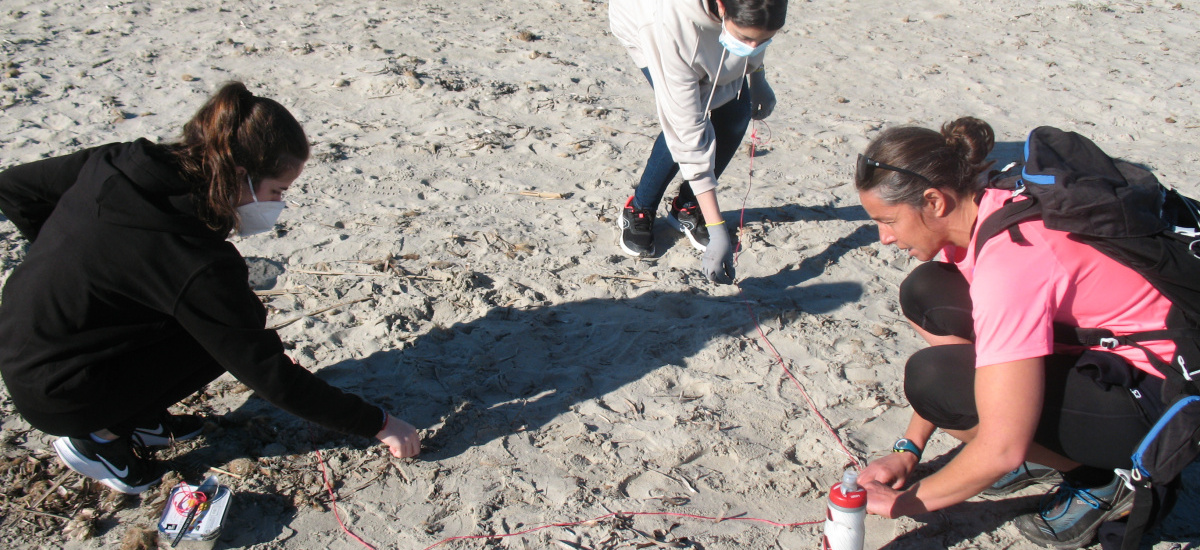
(1139, 514)
(1180, 376)
(1007, 217)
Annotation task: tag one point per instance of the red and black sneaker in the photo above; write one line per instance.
(637, 230)
(688, 220)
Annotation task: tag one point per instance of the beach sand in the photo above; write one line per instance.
(450, 253)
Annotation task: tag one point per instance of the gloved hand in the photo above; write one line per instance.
(762, 97)
(717, 262)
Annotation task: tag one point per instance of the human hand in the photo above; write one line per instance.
(881, 499)
(891, 470)
(762, 97)
(717, 263)
(400, 437)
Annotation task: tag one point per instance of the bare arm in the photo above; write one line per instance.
(1008, 397)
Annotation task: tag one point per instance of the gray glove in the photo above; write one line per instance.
(717, 262)
(762, 97)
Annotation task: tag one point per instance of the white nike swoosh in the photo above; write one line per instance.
(120, 472)
(158, 430)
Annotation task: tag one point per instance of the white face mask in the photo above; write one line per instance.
(737, 47)
(258, 216)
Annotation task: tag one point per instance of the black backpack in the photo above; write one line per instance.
(1121, 209)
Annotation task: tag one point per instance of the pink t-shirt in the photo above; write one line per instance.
(1019, 290)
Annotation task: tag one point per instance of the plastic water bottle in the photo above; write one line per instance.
(847, 511)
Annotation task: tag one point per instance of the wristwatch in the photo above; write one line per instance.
(904, 445)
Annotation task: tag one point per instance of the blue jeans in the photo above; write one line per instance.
(729, 122)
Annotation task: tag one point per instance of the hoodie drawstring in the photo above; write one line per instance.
(707, 110)
(711, 93)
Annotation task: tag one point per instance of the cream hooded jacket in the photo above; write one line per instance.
(678, 42)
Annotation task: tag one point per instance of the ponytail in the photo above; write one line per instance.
(235, 129)
(950, 160)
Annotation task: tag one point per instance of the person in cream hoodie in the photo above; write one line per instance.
(704, 60)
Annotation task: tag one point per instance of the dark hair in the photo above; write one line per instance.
(950, 160)
(759, 14)
(235, 128)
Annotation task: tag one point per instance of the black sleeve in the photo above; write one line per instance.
(221, 312)
(29, 192)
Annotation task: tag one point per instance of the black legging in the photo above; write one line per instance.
(125, 392)
(1091, 423)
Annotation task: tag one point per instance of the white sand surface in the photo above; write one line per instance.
(556, 379)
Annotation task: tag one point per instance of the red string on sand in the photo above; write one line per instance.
(617, 515)
(754, 142)
(333, 500)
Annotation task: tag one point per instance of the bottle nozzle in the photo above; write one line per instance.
(849, 481)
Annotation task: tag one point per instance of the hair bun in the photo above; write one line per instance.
(970, 138)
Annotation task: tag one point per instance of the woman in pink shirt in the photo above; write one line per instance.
(1026, 408)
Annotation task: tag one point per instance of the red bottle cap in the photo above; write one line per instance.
(853, 499)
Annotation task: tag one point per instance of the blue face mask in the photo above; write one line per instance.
(737, 47)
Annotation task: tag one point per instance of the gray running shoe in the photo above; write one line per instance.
(1070, 516)
(1025, 475)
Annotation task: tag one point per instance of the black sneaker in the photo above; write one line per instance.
(689, 221)
(1025, 475)
(637, 230)
(1069, 516)
(115, 464)
(168, 428)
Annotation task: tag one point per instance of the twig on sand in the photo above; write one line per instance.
(626, 277)
(47, 514)
(57, 483)
(675, 479)
(314, 312)
(364, 485)
(541, 195)
(226, 472)
(336, 273)
(281, 291)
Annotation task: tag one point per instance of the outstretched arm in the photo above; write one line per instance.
(1008, 397)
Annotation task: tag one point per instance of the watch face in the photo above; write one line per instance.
(903, 444)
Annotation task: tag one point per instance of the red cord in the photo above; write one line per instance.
(333, 499)
(188, 499)
(754, 142)
(618, 514)
(783, 364)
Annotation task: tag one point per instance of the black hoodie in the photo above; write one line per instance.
(119, 261)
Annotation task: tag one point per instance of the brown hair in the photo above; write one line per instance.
(236, 128)
(951, 160)
(759, 14)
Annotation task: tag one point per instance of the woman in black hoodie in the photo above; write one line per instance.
(130, 298)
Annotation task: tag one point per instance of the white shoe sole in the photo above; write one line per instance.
(91, 469)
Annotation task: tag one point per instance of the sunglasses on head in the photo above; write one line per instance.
(867, 166)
